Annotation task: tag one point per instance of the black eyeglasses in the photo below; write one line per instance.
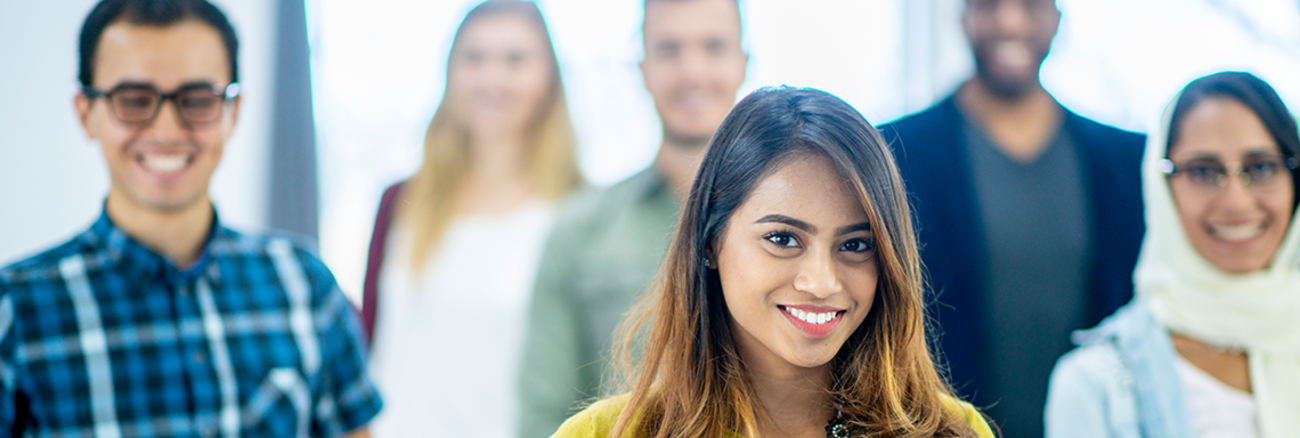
(1257, 171)
(136, 105)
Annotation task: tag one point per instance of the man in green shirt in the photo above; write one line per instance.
(607, 244)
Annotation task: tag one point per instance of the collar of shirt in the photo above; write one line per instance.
(650, 183)
(117, 249)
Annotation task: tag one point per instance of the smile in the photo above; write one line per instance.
(813, 323)
(1237, 233)
(1014, 54)
(164, 163)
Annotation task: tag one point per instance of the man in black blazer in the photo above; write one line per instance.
(1030, 216)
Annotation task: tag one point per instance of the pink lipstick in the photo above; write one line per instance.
(814, 321)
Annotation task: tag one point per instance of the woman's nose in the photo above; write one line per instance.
(819, 276)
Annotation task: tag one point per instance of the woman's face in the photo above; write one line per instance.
(500, 74)
(1236, 227)
(797, 266)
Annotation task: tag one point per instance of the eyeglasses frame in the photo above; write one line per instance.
(228, 93)
(1170, 169)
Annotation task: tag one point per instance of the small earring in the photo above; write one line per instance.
(706, 263)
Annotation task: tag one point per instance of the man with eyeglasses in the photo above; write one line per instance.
(159, 321)
(1030, 216)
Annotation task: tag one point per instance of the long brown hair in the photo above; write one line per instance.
(431, 193)
(691, 381)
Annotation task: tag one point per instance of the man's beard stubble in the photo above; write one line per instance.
(679, 140)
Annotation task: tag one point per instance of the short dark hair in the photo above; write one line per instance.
(160, 13)
(1252, 92)
(646, 3)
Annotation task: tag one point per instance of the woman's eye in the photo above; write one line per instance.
(782, 239)
(515, 59)
(1205, 171)
(473, 58)
(1262, 170)
(858, 245)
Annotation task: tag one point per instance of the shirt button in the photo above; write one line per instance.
(209, 432)
(200, 358)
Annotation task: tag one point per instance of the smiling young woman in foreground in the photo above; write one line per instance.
(790, 302)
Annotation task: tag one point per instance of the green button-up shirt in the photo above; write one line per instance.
(604, 252)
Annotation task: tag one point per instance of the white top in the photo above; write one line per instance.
(1217, 410)
(446, 347)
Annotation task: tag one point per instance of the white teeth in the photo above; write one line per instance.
(1014, 53)
(1238, 232)
(165, 163)
(811, 318)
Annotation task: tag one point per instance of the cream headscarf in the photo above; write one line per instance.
(1257, 312)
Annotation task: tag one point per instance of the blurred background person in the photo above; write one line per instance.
(1211, 345)
(608, 243)
(159, 320)
(455, 272)
(1030, 215)
(791, 302)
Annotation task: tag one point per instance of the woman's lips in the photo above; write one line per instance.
(814, 321)
(1237, 233)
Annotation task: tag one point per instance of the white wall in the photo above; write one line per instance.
(1121, 61)
(52, 179)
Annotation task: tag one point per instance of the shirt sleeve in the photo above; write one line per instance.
(595, 421)
(8, 378)
(347, 399)
(977, 421)
(551, 373)
(1076, 394)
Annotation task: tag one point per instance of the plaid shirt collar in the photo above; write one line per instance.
(117, 249)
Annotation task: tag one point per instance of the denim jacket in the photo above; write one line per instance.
(1119, 382)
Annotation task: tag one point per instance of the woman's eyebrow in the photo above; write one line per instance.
(865, 226)
(1261, 150)
(780, 218)
(809, 228)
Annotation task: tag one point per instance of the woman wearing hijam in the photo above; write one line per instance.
(790, 303)
(1210, 346)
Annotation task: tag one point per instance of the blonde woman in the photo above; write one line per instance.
(790, 302)
(449, 285)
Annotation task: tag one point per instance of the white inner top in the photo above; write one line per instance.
(447, 346)
(1218, 410)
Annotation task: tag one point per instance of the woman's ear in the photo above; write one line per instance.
(710, 260)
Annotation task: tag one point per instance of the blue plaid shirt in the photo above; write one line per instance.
(102, 337)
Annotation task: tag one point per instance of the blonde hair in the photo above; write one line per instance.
(431, 194)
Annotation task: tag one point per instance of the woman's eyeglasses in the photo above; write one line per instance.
(137, 105)
(1257, 171)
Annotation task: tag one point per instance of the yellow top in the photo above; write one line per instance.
(599, 418)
